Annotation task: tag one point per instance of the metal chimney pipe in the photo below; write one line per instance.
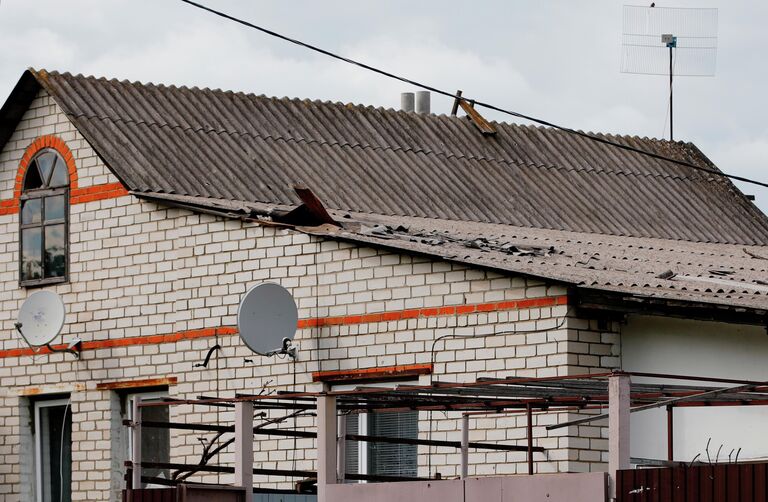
(422, 102)
(406, 101)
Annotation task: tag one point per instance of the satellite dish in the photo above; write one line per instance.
(267, 319)
(41, 318)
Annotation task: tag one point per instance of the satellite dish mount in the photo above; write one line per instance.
(266, 320)
(41, 318)
(288, 349)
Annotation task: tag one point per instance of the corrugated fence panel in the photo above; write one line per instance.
(717, 483)
(150, 495)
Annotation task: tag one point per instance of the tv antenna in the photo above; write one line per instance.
(41, 318)
(688, 36)
(266, 320)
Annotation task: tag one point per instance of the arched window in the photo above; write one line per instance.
(43, 217)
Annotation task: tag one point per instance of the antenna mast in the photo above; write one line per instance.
(690, 35)
(671, 41)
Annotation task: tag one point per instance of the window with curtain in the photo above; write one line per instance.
(43, 220)
(383, 459)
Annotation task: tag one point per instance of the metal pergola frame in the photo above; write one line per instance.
(485, 396)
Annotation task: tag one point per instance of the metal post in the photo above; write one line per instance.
(670, 434)
(341, 449)
(456, 100)
(136, 444)
(464, 446)
(671, 136)
(244, 445)
(618, 426)
(529, 433)
(326, 446)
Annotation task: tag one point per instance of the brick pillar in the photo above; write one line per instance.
(618, 426)
(326, 445)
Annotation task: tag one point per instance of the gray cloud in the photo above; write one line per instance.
(557, 59)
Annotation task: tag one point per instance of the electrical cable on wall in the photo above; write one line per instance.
(474, 102)
(67, 409)
(559, 325)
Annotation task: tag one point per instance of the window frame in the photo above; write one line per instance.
(42, 194)
(363, 453)
(363, 423)
(147, 395)
(37, 405)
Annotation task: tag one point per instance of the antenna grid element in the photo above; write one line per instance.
(688, 36)
(649, 33)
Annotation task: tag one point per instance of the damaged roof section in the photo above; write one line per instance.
(442, 238)
(634, 270)
(254, 149)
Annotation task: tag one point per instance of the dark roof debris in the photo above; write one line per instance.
(666, 275)
(435, 238)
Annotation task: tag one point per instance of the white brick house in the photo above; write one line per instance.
(455, 256)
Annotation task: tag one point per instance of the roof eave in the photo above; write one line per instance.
(17, 104)
(603, 303)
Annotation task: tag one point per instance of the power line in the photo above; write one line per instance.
(472, 101)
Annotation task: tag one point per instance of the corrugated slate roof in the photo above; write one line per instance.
(242, 147)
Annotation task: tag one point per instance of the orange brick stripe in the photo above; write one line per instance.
(77, 195)
(126, 342)
(363, 375)
(399, 315)
(97, 192)
(41, 143)
(9, 206)
(396, 315)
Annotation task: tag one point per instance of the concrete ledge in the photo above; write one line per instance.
(579, 487)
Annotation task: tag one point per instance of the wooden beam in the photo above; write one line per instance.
(372, 374)
(485, 127)
(135, 384)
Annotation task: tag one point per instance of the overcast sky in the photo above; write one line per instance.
(555, 59)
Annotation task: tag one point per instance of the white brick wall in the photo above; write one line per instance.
(139, 269)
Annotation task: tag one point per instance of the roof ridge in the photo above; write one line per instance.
(341, 104)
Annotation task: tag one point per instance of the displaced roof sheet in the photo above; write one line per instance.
(251, 148)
